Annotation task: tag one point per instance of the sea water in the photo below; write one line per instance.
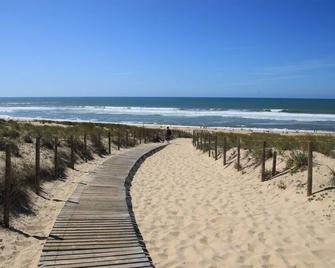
(252, 113)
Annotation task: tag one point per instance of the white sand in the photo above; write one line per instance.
(192, 212)
(18, 250)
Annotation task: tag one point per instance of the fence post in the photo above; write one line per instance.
(263, 162)
(72, 151)
(85, 146)
(134, 138)
(216, 147)
(56, 157)
(238, 167)
(197, 141)
(118, 140)
(109, 143)
(37, 165)
(274, 163)
(224, 151)
(8, 178)
(126, 138)
(201, 142)
(209, 144)
(310, 169)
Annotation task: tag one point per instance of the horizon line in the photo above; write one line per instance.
(189, 97)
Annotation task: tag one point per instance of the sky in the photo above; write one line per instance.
(208, 48)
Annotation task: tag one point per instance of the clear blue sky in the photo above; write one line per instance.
(227, 48)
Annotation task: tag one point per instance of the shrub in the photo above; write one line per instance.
(47, 142)
(10, 133)
(257, 154)
(27, 138)
(297, 161)
(20, 200)
(99, 147)
(14, 148)
(79, 149)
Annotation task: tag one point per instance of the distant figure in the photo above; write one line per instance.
(168, 134)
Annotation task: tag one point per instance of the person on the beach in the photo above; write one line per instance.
(168, 134)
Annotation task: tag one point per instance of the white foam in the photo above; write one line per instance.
(274, 114)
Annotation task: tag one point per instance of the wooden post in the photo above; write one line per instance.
(141, 134)
(274, 163)
(126, 138)
(201, 141)
(224, 151)
(109, 143)
(85, 146)
(238, 154)
(193, 137)
(118, 140)
(8, 178)
(310, 169)
(209, 144)
(197, 142)
(216, 147)
(56, 157)
(37, 165)
(134, 138)
(72, 151)
(204, 144)
(263, 162)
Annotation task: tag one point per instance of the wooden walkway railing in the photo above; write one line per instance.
(97, 227)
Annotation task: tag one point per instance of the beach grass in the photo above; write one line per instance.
(21, 137)
(324, 144)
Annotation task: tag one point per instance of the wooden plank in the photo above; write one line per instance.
(119, 251)
(98, 260)
(95, 227)
(87, 256)
(102, 264)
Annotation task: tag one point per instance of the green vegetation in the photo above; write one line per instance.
(324, 144)
(297, 161)
(21, 137)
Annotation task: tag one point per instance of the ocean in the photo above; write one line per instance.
(248, 113)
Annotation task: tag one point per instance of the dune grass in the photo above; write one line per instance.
(324, 144)
(21, 137)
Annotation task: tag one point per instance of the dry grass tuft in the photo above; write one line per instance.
(297, 161)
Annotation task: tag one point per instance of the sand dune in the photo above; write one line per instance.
(192, 212)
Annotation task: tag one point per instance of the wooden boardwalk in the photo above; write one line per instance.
(97, 227)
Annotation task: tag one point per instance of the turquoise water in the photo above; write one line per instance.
(291, 114)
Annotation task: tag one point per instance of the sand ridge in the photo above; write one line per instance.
(192, 212)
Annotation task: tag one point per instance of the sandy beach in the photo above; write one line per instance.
(193, 212)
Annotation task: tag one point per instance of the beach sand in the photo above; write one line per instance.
(193, 212)
(22, 245)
